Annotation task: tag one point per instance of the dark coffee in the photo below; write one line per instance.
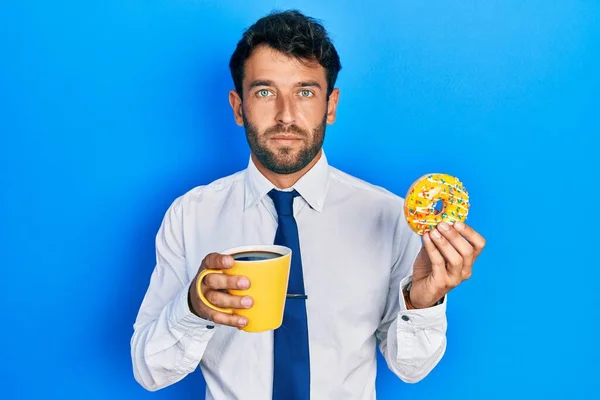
(255, 255)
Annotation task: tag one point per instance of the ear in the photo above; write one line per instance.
(236, 105)
(332, 103)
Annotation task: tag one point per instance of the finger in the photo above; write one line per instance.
(222, 281)
(228, 319)
(438, 264)
(217, 261)
(226, 300)
(453, 259)
(460, 244)
(472, 236)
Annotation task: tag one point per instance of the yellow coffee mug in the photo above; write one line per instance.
(268, 268)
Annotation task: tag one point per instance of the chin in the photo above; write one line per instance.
(285, 164)
(284, 153)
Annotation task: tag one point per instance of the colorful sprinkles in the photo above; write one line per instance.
(423, 195)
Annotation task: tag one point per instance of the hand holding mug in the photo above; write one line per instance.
(221, 291)
(214, 288)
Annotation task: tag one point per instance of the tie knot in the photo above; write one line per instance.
(284, 201)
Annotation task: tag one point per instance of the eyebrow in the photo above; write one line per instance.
(260, 83)
(271, 83)
(309, 84)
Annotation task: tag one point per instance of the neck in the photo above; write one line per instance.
(284, 181)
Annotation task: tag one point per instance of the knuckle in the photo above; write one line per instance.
(210, 260)
(226, 300)
(448, 285)
(215, 281)
(452, 282)
(219, 318)
(457, 279)
(456, 262)
(212, 296)
(226, 319)
(453, 233)
(209, 280)
(205, 263)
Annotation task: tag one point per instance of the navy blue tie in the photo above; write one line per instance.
(291, 361)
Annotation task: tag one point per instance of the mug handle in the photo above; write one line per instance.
(201, 295)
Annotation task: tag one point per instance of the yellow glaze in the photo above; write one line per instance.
(423, 195)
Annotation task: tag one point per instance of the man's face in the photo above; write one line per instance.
(284, 110)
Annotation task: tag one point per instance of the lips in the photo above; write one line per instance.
(285, 137)
(286, 140)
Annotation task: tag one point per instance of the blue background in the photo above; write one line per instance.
(111, 109)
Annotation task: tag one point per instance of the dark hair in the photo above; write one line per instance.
(292, 33)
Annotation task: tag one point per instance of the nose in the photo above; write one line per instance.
(285, 111)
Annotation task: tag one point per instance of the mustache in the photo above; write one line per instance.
(279, 128)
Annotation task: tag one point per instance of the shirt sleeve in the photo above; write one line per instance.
(168, 340)
(411, 341)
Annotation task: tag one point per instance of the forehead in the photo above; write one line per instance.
(266, 63)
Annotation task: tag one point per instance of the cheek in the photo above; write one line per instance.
(260, 109)
(310, 114)
(260, 117)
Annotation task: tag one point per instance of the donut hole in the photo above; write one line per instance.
(438, 207)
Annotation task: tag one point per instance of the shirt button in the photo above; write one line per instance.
(210, 327)
(405, 317)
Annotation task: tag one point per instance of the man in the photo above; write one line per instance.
(365, 275)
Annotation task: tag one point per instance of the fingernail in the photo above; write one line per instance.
(247, 302)
(444, 226)
(243, 283)
(459, 225)
(435, 234)
(242, 322)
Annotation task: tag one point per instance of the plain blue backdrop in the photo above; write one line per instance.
(111, 109)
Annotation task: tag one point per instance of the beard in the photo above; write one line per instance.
(284, 160)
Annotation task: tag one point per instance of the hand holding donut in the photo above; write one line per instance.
(450, 247)
(445, 260)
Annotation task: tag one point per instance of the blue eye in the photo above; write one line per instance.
(306, 93)
(263, 93)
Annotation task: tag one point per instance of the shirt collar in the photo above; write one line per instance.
(312, 186)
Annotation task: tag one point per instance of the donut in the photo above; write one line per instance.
(424, 194)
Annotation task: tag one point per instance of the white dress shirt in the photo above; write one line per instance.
(357, 253)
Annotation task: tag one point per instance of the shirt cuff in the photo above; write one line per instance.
(184, 320)
(420, 317)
